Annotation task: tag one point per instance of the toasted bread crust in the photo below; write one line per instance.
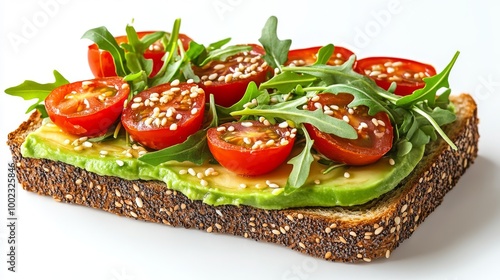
(344, 234)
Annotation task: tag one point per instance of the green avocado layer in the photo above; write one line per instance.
(215, 185)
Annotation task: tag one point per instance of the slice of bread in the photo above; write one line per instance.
(345, 234)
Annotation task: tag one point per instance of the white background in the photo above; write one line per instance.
(60, 241)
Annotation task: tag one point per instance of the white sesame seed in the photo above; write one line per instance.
(375, 121)
(120, 162)
(221, 128)
(230, 128)
(243, 186)
(203, 182)
(347, 175)
(66, 142)
(173, 126)
(346, 119)
(138, 201)
(212, 76)
(315, 98)
(283, 124)
(381, 122)
(219, 66)
(209, 171)
(191, 172)
(350, 111)
(392, 161)
(183, 171)
(103, 153)
(247, 124)
(175, 83)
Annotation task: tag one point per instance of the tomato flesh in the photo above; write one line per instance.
(408, 74)
(375, 134)
(165, 115)
(250, 148)
(308, 56)
(228, 80)
(102, 65)
(87, 108)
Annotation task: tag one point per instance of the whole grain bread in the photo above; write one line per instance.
(344, 234)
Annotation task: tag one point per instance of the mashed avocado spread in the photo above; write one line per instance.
(213, 184)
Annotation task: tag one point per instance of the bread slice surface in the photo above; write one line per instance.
(344, 234)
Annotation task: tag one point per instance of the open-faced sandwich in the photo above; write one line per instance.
(332, 156)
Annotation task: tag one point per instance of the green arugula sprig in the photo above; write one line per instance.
(29, 90)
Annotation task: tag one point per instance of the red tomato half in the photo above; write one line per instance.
(228, 80)
(102, 65)
(250, 148)
(302, 57)
(87, 108)
(165, 115)
(407, 74)
(375, 134)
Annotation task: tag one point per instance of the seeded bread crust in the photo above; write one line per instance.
(343, 234)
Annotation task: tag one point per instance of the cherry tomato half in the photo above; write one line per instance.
(250, 148)
(165, 115)
(87, 108)
(375, 134)
(407, 74)
(102, 65)
(302, 57)
(228, 80)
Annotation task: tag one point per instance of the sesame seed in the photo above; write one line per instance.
(203, 182)
(328, 230)
(378, 230)
(175, 83)
(328, 255)
(78, 181)
(194, 111)
(66, 142)
(347, 175)
(350, 111)
(302, 245)
(173, 126)
(276, 232)
(283, 124)
(120, 162)
(387, 254)
(133, 214)
(209, 229)
(315, 98)
(392, 161)
(300, 216)
(397, 220)
(367, 259)
(183, 171)
(243, 186)
(138, 201)
(346, 119)
(212, 76)
(404, 208)
(230, 128)
(247, 124)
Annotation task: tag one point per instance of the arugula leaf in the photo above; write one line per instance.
(324, 54)
(106, 41)
(276, 49)
(223, 54)
(251, 93)
(432, 86)
(287, 81)
(194, 149)
(288, 111)
(29, 90)
(301, 165)
(217, 45)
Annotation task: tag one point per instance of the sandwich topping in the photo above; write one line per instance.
(218, 124)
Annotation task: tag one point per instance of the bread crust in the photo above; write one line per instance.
(343, 234)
